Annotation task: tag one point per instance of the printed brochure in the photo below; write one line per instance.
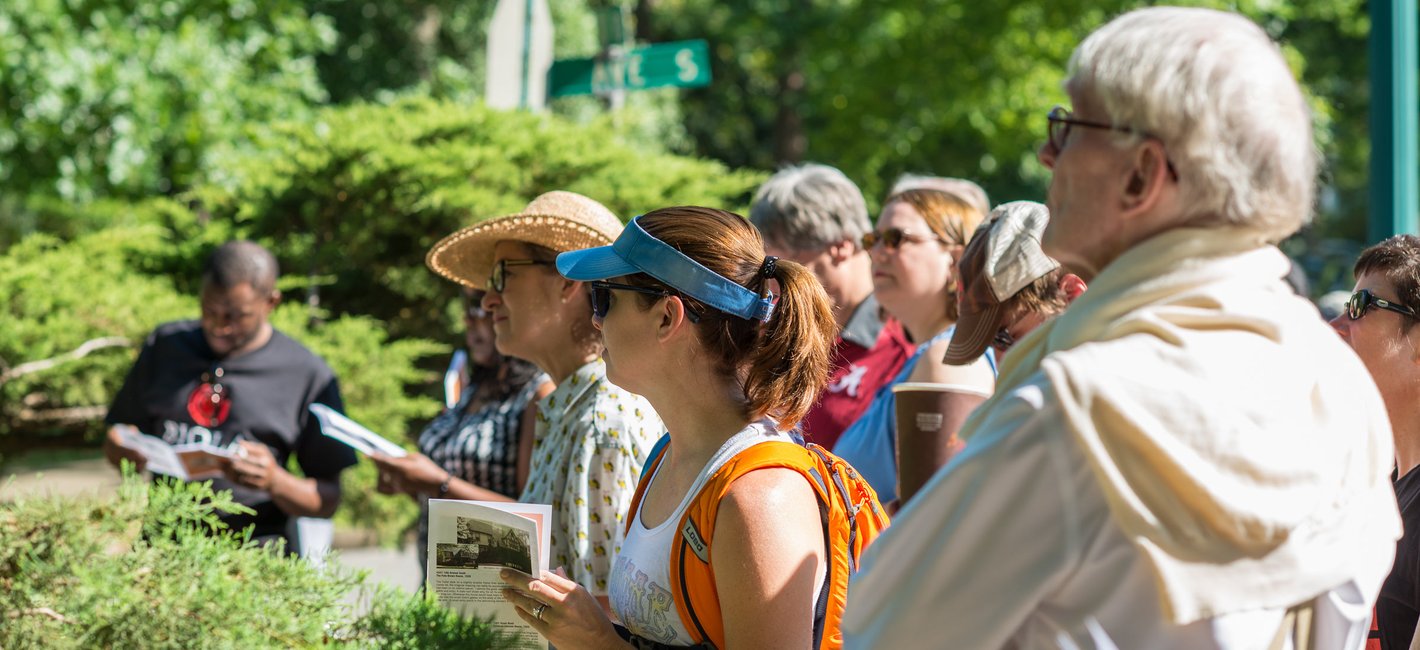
(471, 541)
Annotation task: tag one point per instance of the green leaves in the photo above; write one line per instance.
(136, 570)
(128, 98)
(957, 88)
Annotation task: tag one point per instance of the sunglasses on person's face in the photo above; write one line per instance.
(1363, 300)
(1061, 119)
(1003, 339)
(499, 277)
(601, 298)
(892, 238)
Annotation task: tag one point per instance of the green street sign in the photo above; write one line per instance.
(680, 63)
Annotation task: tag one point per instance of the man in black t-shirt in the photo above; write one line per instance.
(1380, 323)
(231, 380)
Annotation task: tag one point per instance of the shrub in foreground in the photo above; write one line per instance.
(137, 570)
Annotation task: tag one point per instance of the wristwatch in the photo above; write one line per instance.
(444, 487)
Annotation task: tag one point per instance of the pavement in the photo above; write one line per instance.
(92, 476)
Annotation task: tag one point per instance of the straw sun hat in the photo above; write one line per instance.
(561, 221)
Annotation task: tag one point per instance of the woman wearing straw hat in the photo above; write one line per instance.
(591, 436)
(688, 321)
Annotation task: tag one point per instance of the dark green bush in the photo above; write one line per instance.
(360, 193)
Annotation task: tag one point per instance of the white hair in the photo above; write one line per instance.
(960, 187)
(810, 207)
(1216, 91)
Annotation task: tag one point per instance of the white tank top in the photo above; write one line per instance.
(640, 584)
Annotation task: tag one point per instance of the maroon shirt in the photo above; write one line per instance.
(868, 353)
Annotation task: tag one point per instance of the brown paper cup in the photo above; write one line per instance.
(924, 441)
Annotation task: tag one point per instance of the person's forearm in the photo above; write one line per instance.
(461, 489)
(304, 497)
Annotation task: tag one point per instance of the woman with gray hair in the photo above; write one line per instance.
(1187, 457)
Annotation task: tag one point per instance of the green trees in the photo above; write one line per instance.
(132, 98)
(961, 88)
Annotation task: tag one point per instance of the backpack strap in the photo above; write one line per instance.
(648, 469)
(692, 577)
(656, 450)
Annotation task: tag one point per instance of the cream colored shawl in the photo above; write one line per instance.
(1239, 442)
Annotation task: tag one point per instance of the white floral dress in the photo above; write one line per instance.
(591, 440)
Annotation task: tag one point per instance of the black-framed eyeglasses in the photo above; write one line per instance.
(499, 277)
(1363, 300)
(601, 297)
(1061, 119)
(892, 238)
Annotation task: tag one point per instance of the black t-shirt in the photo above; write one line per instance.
(1399, 603)
(264, 396)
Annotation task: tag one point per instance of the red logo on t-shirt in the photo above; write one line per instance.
(209, 404)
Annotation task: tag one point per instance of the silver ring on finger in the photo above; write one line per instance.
(537, 611)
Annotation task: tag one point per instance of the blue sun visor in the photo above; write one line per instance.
(636, 251)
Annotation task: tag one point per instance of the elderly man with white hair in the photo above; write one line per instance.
(1186, 457)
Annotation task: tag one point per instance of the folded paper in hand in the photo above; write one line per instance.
(189, 462)
(350, 432)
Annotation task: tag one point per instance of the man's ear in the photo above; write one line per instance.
(273, 299)
(1148, 176)
(1072, 285)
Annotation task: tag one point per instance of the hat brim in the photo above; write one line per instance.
(466, 256)
(973, 334)
(593, 264)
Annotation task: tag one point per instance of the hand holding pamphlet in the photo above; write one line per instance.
(471, 541)
(189, 462)
(350, 432)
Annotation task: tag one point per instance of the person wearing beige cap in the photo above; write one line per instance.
(1186, 457)
(591, 436)
(1009, 287)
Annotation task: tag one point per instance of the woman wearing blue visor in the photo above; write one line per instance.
(684, 303)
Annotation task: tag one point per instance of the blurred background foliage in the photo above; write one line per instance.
(348, 136)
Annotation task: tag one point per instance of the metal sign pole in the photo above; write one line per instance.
(527, 54)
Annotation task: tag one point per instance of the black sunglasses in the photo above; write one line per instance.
(1061, 119)
(892, 238)
(1003, 339)
(499, 277)
(601, 298)
(1363, 300)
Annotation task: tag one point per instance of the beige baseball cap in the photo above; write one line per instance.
(1004, 256)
